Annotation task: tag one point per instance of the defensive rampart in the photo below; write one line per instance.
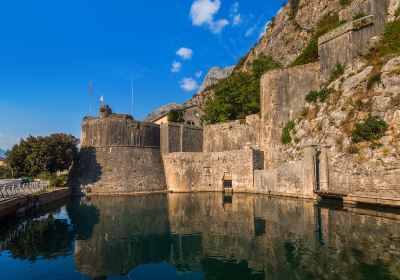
(176, 138)
(118, 155)
(186, 172)
(282, 99)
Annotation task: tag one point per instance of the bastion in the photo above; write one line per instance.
(118, 155)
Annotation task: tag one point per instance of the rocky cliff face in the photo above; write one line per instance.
(357, 94)
(289, 33)
(161, 111)
(214, 76)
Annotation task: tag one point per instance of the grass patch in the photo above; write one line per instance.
(353, 149)
(389, 46)
(359, 15)
(287, 131)
(397, 13)
(372, 128)
(310, 53)
(304, 113)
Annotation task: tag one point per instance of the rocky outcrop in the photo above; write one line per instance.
(361, 91)
(161, 111)
(214, 76)
(288, 34)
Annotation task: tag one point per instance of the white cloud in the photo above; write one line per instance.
(237, 20)
(199, 74)
(250, 31)
(176, 67)
(188, 84)
(217, 26)
(235, 8)
(235, 15)
(202, 12)
(185, 53)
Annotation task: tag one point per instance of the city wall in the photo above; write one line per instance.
(232, 135)
(186, 172)
(118, 155)
(179, 138)
(282, 99)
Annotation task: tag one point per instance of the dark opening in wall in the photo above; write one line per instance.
(259, 226)
(227, 183)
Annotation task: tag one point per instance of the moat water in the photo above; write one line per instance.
(201, 236)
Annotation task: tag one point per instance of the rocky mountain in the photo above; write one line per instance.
(161, 111)
(214, 76)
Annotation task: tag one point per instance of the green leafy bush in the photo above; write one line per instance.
(235, 97)
(322, 95)
(175, 115)
(264, 64)
(286, 137)
(310, 53)
(372, 128)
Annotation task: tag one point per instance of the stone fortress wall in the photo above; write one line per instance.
(118, 155)
(236, 156)
(345, 43)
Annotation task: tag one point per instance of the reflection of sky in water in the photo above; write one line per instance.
(187, 236)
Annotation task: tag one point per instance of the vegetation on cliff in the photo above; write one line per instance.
(36, 155)
(287, 132)
(238, 95)
(372, 128)
(310, 53)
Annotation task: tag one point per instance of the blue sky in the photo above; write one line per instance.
(51, 49)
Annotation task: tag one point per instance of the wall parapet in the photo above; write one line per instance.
(347, 27)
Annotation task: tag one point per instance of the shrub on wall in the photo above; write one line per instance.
(287, 131)
(372, 128)
(391, 38)
(337, 72)
(310, 53)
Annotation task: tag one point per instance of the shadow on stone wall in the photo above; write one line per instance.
(85, 172)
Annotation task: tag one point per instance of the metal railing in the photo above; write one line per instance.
(18, 190)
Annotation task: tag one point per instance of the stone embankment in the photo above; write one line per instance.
(24, 204)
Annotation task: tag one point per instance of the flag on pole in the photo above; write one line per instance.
(101, 99)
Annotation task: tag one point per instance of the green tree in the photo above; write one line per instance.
(175, 115)
(264, 64)
(35, 155)
(235, 97)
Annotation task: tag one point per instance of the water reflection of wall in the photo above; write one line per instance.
(277, 238)
(131, 231)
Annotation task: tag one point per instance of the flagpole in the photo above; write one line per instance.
(133, 112)
(91, 93)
